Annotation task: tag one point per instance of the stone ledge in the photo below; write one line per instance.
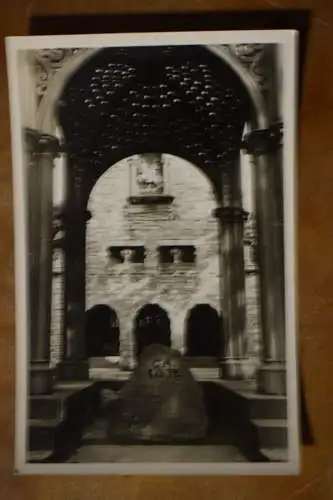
(158, 199)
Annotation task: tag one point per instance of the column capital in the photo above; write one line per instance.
(39, 143)
(71, 216)
(231, 214)
(262, 141)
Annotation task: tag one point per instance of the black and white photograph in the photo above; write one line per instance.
(155, 282)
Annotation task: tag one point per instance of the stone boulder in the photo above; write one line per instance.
(160, 402)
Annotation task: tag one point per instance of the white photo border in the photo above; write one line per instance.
(286, 38)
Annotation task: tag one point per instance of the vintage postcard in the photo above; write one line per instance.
(154, 201)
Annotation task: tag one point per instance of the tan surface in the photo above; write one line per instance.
(315, 268)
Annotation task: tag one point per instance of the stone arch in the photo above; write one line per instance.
(204, 332)
(258, 118)
(45, 113)
(46, 110)
(102, 331)
(94, 143)
(151, 326)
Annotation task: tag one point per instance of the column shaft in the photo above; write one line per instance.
(74, 365)
(269, 210)
(270, 255)
(40, 152)
(232, 218)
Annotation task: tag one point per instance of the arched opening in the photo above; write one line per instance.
(204, 333)
(152, 326)
(102, 331)
(193, 107)
(126, 112)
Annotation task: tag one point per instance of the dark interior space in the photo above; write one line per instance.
(102, 331)
(152, 326)
(203, 332)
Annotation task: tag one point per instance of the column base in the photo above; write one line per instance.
(41, 378)
(233, 369)
(272, 379)
(73, 370)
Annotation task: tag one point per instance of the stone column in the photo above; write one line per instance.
(232, 217)
(74, 365)
(272, 375)
(41, 151)
(264, 146)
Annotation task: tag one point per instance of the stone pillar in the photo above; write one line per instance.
(74, 365)
(40, 150)
(264, 146)
(272, 375)
(127, 361)
(232, 217)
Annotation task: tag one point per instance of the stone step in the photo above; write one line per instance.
(39, 456)
(43, 434)
(266, 406)
(111, 453)
(49, 406)
(243, 396)
(57, 421)
(272, 433)
(97, 435)
(276, 454)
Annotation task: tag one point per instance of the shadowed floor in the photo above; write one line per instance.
(156, 453)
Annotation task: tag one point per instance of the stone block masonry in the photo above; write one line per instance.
(126, 287)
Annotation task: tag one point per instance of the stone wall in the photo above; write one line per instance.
(187, 221)
(126, 287)
(56, 341)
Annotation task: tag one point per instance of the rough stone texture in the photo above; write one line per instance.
(128, 287)
(161, 400)
(56, 341)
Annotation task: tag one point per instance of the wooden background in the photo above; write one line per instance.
(315, 244)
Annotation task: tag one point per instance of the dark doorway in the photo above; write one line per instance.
(203, 332)
(102, 331)
(152, 326)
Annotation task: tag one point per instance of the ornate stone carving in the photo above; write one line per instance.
(47, 63)
(250, 230)
(127, 254)
(251, 56)
(149, 174)
(177, 255)
(251, 240)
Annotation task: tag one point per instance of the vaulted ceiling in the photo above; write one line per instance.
(182, 100)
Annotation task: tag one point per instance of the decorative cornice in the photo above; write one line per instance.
(158, 199)
(47, 63)
(251, 56)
